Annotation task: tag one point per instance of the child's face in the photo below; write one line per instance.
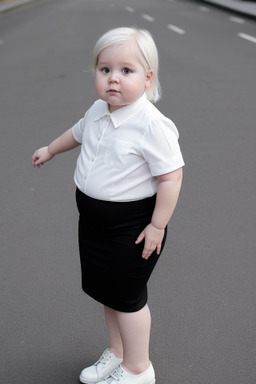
(120, 77)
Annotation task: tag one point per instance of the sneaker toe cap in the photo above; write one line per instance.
(89, 373)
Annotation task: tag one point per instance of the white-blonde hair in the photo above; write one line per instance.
(144, 48)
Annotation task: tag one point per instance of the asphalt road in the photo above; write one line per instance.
(202, 293)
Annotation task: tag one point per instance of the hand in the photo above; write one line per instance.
(41, 156)
(153, 240)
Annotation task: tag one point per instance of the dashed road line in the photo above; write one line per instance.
(147, 17)
(237, 20)
(176, 29)
(130, 9)
(247, 37)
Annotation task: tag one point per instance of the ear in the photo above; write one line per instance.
(149, 76)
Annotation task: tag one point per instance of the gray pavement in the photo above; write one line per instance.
(8, 5)
(246, 8)
(202, 292)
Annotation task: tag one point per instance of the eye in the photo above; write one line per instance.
(126, 71)
(105, 70)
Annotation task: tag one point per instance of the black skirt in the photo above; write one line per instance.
(113, 270)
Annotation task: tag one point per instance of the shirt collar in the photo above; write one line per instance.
(121, 115)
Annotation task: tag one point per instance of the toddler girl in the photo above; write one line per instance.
(128, 178)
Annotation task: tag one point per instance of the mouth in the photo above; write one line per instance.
(112, 91)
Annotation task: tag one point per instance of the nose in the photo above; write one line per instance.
(113, 78)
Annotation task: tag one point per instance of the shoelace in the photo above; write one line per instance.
(103, 359)
(118, 374)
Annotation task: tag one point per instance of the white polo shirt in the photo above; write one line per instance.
(123, 151)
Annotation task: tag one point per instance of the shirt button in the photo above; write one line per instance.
(108, 118)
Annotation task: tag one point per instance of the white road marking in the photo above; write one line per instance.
(236, 20)
(130, 9)
(176, 29)
(247, 37)
(1, 42)
(204, 9)
(147, 17)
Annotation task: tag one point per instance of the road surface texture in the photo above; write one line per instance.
(202, 292)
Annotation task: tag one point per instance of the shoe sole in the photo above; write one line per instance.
(91, 382)
(95, 382)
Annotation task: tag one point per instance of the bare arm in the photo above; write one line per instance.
(166, 200)
(63, 143)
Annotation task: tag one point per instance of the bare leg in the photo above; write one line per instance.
(134, 329)
(115, 341)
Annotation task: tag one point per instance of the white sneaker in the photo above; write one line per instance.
(106, 364)
(121, 376)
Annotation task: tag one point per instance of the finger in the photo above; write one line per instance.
(35, 155)
(147, 251)
(140, 238)
(146, 254)
(158, 249)
(38, 163)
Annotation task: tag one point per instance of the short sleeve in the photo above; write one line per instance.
(78, 129)
(160, 147)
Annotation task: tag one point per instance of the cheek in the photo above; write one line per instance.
(99, 84)
(135, 89)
